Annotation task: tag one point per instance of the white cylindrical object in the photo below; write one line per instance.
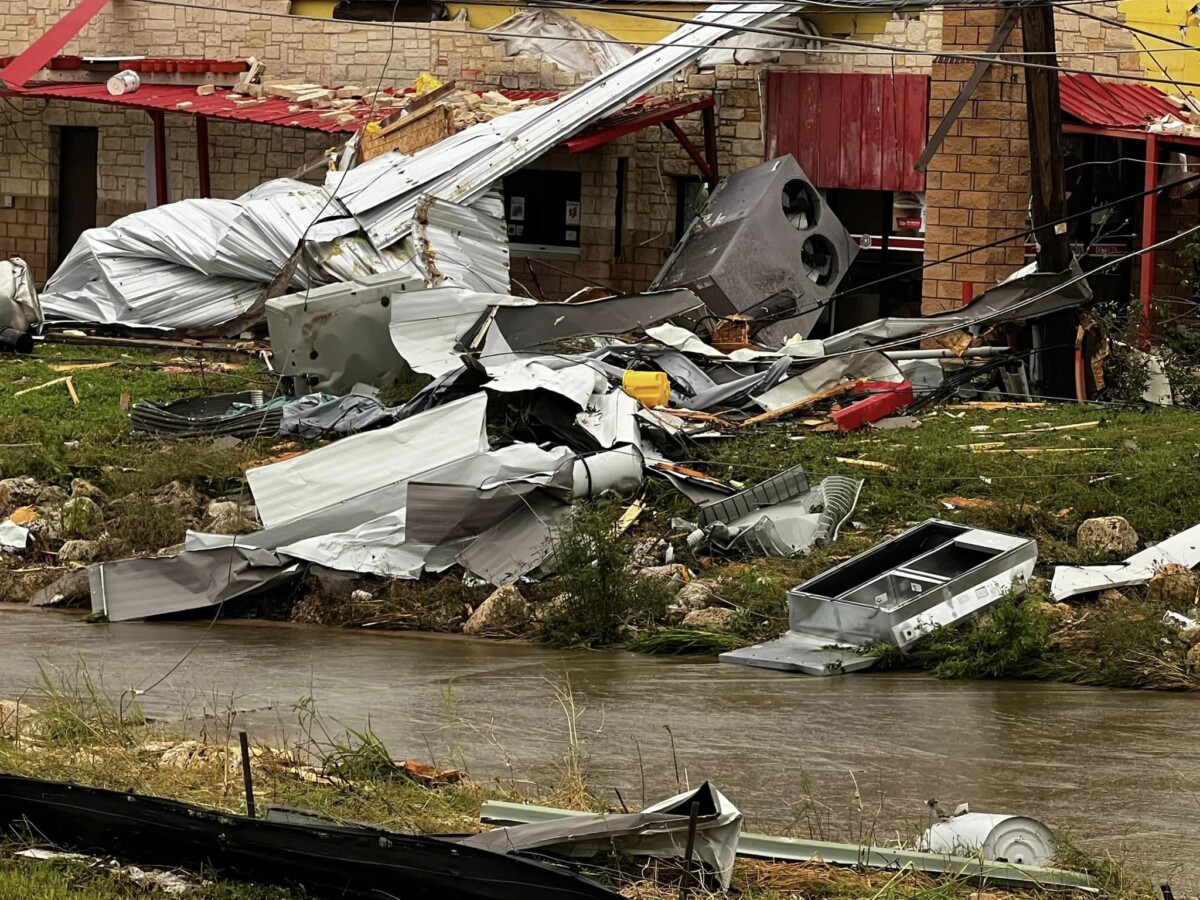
(1015, 839)
(124, 82)
(618, 470)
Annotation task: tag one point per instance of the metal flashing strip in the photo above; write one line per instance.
(762, 846)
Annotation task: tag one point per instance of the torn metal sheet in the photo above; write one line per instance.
(1014, 839)
(765, 246)
(333, 337)
(1180, 549)
(426, 326)
(857, 856)
(20, 308)
(790, 527)
(13, 536)
(545, 324)
(659, 831)
(737, 393)
(241, 415)
(933, 575)
(778, 488)
(566, 376)
(753, 47)
(318, 416)
(289, 490)
(611, 419)
(463, 246)
(551, 36)
(1027, 294)
(140, 588)
(518, 544)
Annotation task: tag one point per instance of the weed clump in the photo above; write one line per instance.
(602, 599)
(1010, 641)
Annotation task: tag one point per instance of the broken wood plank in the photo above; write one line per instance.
(980, 447)
(79, 367)
(864, 463)
(1077, 426)
(995, 405)
(38, 387)
(71, 389)
(836, 391)
(1039, 451)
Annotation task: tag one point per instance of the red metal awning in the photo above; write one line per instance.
(857, 131)
(642, 113)
(168, 98)
(1124, 104)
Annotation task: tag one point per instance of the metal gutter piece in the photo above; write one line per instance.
(1182, 549)
(762, 846)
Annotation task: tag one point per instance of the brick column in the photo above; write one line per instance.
(978, 184)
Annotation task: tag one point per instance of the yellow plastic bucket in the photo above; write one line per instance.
(650, 388)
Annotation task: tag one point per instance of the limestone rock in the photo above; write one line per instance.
(1193, 658)
(647, 552)
(81, 517)
(1110, 596)
(81, 487)
(78, 551)
(51, 495)
(1058, 613)
(672, 572)
(504, 612)
(553, 607)
(187, 499)
(712, 618)
(16, 492)
(1108, 534)
(1174, 586)
(1190, 636)
(232, 524)
(693, 596)
(16, 719)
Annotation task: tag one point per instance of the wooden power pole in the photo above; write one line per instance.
(1047, 186)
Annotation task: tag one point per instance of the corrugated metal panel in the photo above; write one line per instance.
(1120, 105)
(853, 130)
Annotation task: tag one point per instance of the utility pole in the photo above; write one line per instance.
(1047, 185)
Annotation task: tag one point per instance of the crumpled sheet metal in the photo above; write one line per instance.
(659, 831)
(788, 528)
(544, 324)
(1180, 549)
(551, 36)
(139, 588)
(188, 264)
(427, 326)
(204, 262)
(205, 417)
(316, 416)
(20, 307)
(465, 246)
(289, 490)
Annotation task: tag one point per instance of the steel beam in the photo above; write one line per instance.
(1002, 32)
(1149, 232)
(763, 846)
(202, 161)
(159, 120)
(36, 55)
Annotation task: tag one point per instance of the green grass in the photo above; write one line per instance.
(43, 434)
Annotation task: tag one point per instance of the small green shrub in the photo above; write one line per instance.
(1006, 642)
(601, 598)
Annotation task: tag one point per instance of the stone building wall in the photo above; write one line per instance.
(977, 187)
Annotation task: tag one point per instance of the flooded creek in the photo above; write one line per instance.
(1117, 769)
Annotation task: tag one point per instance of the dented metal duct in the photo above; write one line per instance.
(766, 246)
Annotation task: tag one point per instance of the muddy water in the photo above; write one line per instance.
(1117, 769)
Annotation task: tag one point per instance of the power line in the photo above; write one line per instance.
(860, 46)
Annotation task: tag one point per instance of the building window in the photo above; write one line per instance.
(542, 209)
